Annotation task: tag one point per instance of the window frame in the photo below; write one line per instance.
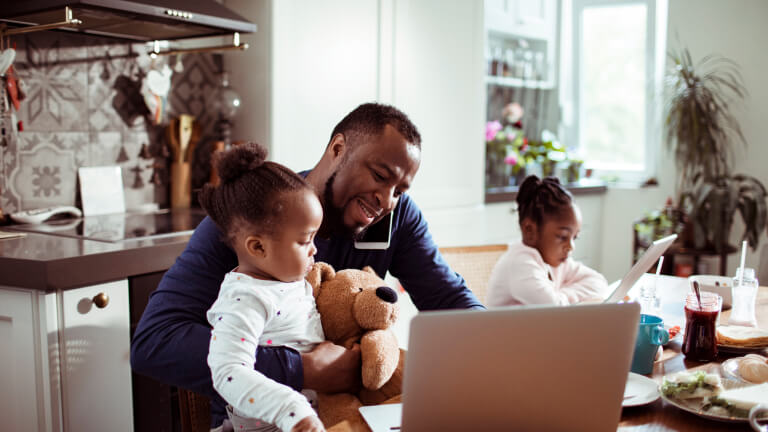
(570, 95)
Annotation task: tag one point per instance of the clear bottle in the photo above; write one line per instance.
(650, 303)
(744, 293)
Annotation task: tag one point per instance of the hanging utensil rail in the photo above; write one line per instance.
(69, 21)
(236, 45)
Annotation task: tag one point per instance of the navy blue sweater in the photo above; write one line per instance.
(171, 341)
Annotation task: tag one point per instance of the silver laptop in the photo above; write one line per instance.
(514, 368)
(642, 265)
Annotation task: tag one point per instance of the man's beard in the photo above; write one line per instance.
(333, 217)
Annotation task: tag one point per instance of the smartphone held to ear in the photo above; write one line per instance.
(377, 235)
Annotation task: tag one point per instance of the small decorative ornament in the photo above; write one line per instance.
(155, 91)
(138, 183)
(144, 152)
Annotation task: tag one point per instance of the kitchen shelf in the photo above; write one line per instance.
(518, 82)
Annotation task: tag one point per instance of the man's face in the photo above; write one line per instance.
(369, 181)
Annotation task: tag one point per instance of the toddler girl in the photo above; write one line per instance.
(539, 269)
(269, 216)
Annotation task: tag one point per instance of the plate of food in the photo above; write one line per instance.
(706, 395)
(741, 339)
(639, 390)
(751, 369)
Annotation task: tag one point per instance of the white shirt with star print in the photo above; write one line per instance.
(250, 312)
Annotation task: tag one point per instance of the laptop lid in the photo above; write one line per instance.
(519, 368)
(642, 265)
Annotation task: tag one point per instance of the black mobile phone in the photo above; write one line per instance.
(377, 235)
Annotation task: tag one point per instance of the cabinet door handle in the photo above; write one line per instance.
(101, 300)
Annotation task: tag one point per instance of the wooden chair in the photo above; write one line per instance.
(194, 412)
(474, 264)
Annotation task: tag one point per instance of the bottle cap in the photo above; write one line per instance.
(749, 273)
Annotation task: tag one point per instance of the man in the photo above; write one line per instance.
(367, 167)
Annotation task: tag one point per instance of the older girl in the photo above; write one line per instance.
(539, 269)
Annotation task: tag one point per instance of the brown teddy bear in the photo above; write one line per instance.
(356, 306)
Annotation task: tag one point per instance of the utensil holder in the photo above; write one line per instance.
(181, 184)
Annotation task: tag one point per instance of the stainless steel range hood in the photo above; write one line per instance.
(132, 19)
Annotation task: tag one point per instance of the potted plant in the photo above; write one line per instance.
(701, 131)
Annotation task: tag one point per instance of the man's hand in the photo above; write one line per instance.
(309, 424)
(331, 368)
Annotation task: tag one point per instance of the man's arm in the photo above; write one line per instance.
(172, 338)
(420, 268)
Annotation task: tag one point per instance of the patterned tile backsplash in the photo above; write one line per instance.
(83, 107)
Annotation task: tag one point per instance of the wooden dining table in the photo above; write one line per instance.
(661, 415)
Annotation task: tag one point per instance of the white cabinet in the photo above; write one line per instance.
(65, 363)
(311, 63)
(26, 400)
(438, 81)
(589, 244)
(95, 358)
(522, 39)
(534, 19)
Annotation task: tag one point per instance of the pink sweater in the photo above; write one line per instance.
(522, 277)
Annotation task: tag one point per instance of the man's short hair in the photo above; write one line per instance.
(371, 119)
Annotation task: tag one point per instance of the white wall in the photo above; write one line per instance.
(735, 30)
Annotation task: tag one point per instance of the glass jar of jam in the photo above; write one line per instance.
(700, 342)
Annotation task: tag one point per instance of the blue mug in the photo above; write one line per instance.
(650, 334)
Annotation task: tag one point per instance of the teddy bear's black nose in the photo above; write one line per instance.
(387, 294)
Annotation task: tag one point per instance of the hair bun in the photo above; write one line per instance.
(527, 190)
(231, 164)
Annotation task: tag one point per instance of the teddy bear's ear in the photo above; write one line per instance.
(320, 273)
(370, 270)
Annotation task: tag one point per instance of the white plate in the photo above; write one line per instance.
(733, 349)
(639, 390)
(694, 406)
(731, 370)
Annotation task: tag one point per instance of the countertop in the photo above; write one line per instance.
(50, 262)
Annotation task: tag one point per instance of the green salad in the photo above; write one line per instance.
(689, 385)
(734, 411)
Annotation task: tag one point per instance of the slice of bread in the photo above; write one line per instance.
(754, 369)
(742, 336)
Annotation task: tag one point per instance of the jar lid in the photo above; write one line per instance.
(710, 302)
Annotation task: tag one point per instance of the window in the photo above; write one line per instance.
(613, 54)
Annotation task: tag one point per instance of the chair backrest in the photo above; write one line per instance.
(194, 412)
(474, 264)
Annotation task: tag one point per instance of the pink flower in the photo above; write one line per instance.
(510, 160)
(491, 129)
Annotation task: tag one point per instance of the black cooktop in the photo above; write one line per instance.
(119, 227)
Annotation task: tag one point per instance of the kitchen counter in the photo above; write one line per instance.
(51, 262)
(582, 187)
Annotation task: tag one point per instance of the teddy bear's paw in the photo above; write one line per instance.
(380, 355)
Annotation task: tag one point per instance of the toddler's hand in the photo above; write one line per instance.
(309, 424)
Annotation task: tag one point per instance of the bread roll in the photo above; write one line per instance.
(742, 336)
(754, 368)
